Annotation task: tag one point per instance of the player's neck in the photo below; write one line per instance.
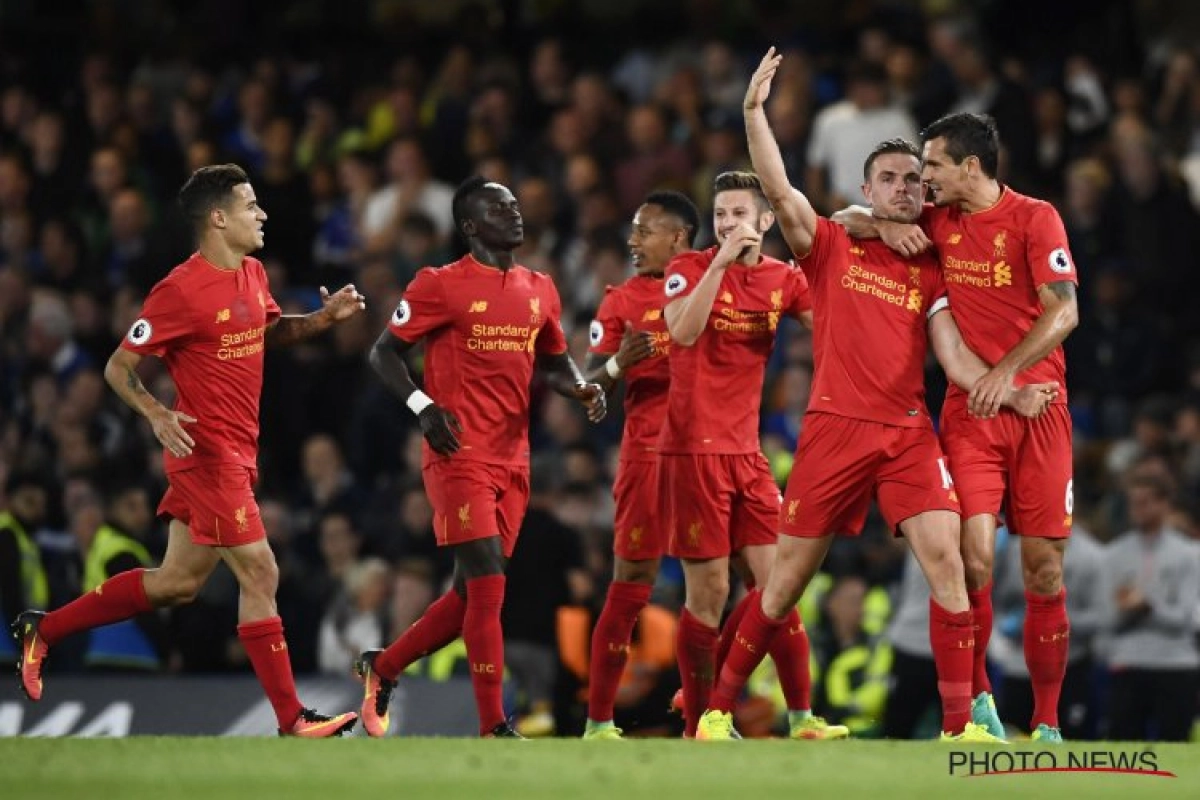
(983, 195)
(220, 255)
(497, 259)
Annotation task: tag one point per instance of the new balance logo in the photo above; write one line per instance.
(222, 316)
(477, 307)
(954, 238)
(652, 314)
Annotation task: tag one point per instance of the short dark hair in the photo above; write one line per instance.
(886, 147)
(968, 135)
(209, 188)
(678, 205)
(742, 181)
(462, 195)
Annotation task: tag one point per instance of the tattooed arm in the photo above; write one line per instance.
(1060, 315)
(343, 304)
(121, 374)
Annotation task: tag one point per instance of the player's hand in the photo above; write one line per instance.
(906, 239)
(739, 240)
(344, 303)
(593, 398)
(635, 346)
(760, 82)
(168, 429)
(988, 394)
(1032, 400)
(440, 428)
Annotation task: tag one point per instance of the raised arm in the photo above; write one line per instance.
(687, 316)
(964, 368)
(121, 374)
(289, 330)
(1060, 315)
(797, 219)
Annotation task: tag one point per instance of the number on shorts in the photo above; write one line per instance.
(947, 481)
(1069, 499)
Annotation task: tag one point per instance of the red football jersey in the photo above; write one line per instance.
(483, 328)
(638, 301)
(716, 384)
(870, 311)
(993, 262)
(209, 324)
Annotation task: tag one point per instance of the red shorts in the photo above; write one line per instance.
(1031, 457)
(216, 503)
(639, 531)
(717, 504)
(841, 463)
(473, 500)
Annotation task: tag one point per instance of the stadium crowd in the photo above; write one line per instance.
(356, 121)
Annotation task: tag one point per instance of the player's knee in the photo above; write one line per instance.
(261, 576)
(977, 568)
(636, 571)
(177, 589)
(1043, 575)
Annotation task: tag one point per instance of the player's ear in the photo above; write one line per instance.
(217, 216)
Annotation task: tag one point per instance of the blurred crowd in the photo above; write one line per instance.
(356, 120)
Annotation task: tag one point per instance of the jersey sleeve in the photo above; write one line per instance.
(164, 323)
(270, 306)
(1046, 247)
(683, 272)
(798, 293)
(422, 310)
(825, 238)
(937, 298)
(607, 328)
(551, 340)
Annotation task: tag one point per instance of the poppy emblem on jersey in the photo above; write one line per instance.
(675, 285)
(1060, 262)
(402, 314)
(140, 332)
(596, 332)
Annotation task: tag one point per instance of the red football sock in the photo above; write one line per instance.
(729, 628)
(1047, 637)
(440, 625)
(981, 610)
(752, 641)
(485, 648)
(610, 645)
(696, 646)
(952, 635)
(120, 597)
(789, 650)
(267, 649)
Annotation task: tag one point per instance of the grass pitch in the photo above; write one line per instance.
(263, 769)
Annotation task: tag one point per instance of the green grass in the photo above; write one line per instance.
(263, 769)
